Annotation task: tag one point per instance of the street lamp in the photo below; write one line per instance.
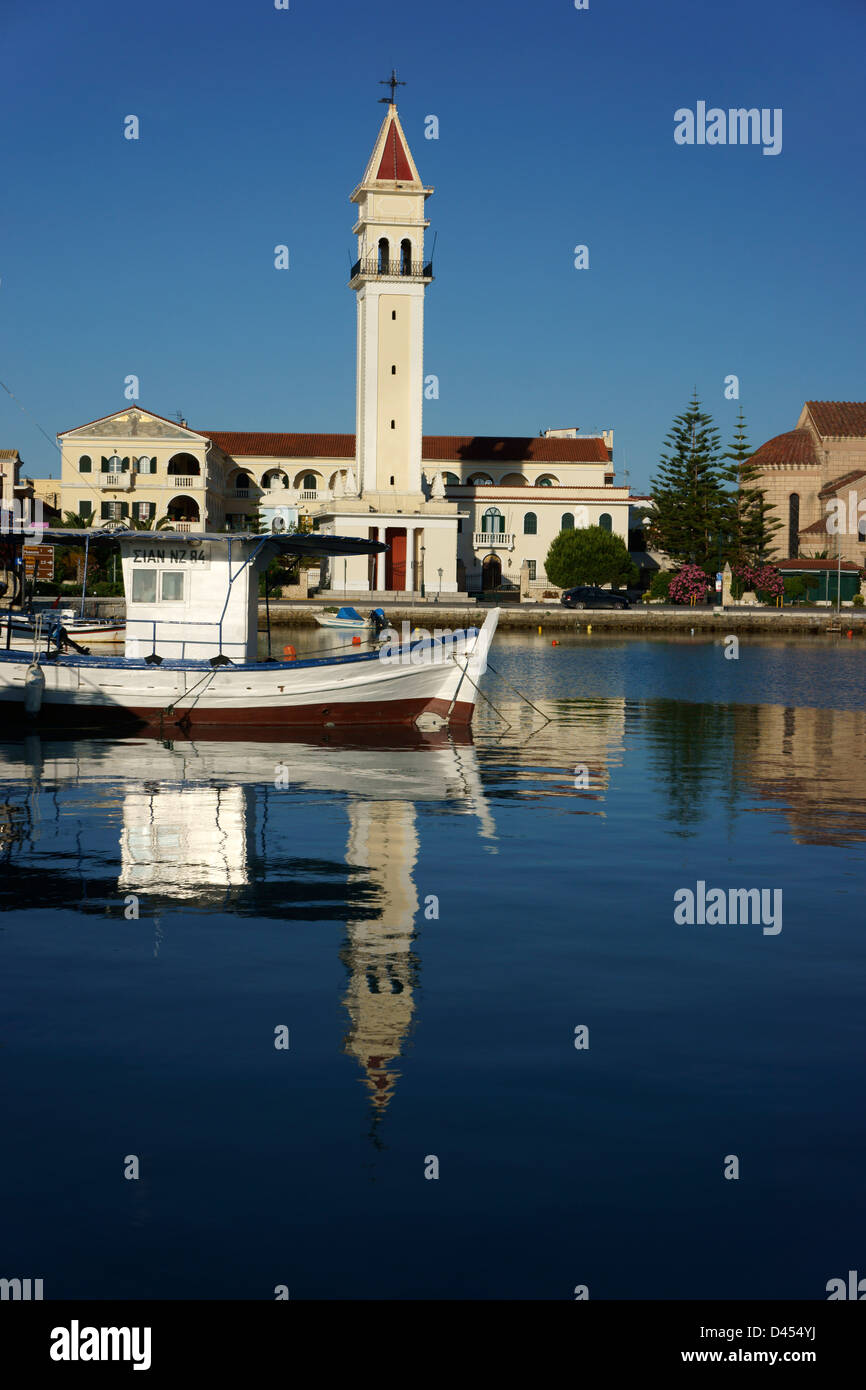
(423, 549)
(439, 595)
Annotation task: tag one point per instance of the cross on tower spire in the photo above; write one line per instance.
(393, 84)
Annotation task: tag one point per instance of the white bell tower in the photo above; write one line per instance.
(389, 279)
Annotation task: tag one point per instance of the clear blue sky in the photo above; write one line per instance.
(155, 257)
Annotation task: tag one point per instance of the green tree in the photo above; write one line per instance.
(752, 523)
(588, 555)
(691, 507)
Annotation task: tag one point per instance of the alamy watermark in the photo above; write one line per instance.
(735, 126)
(717, 907)
(22, 518)
(419, 647)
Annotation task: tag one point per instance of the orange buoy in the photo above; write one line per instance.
(356, 641)
(850, 632)
(554, 643)
(289, 652)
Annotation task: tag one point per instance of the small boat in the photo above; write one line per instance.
(348, 619)
(191, 650)
(26, 627)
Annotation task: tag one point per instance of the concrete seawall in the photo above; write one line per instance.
(641, 619)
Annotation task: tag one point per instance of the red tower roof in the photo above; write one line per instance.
(394, 163)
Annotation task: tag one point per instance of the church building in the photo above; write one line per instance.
(459, 513)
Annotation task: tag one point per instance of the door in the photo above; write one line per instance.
(491, 572)
(395, 558)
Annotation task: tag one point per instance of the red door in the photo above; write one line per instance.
(395, 560)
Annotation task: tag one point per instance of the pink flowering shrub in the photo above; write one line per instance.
(765, 580)
(689, 583)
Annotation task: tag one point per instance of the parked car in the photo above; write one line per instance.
(589, 596)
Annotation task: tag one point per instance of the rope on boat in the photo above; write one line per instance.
(170, 709)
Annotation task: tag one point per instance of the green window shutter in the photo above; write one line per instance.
(105, 511)
(125, 465)
(103, 468)
(85, 508)
(85, 464)
(124, 509)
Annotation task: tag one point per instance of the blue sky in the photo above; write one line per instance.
(155, 257)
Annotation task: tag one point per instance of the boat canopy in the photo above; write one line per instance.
(350, 614)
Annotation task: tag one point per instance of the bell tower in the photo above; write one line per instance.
(389, 279)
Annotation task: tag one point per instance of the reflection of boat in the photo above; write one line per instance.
(228, 824)
(191, 654)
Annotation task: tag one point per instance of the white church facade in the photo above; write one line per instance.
(458, 513)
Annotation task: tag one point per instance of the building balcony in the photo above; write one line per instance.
(372, 269)
(497, 540)
(180, 480)
(118, 481)
(312, 496)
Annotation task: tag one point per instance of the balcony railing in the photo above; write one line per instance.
(375, 269)
(183, 525)
(180, 480)
(242, 492)
(500, 540)
(118, 480)
(310, 495)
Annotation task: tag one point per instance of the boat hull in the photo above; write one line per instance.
(423, 678)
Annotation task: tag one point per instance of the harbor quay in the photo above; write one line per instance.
(640, 619)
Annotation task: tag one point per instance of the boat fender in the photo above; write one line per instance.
(34, 687)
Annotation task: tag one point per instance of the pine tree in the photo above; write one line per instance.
(753, 522)
(691, 507)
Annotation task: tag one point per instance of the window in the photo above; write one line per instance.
(85, 508)
(861, 528)
(605, 521)
(405, 256)
(393, 313)
(144, 586)
(493, 522)
(171, 590)
(393, 371)
(567, 522)
(144, 464)
(451, 480)
(112, 465)
(544, 482)
(393, 425)
(794, 525)
(85, 464)
(310, 482)
(145, 510)
(531, 564)
(113, 511)
(384, 255)
(460, 526)
(530, 524)
(480, 480)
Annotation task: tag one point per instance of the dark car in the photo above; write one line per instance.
(588, 596)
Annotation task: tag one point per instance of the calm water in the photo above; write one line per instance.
(284, 884)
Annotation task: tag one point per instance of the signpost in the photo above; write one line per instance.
(38, 561)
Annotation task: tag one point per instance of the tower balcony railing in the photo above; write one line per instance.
(374, 269)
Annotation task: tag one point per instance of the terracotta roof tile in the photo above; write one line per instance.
(835, 483)
(240, 442)
(440, 448)
(814, 565)
(487, 448)
(795, 447)
(839, 418)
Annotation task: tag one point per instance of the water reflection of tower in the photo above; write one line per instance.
(378, 953)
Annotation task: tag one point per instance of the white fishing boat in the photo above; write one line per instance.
(191, 650)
